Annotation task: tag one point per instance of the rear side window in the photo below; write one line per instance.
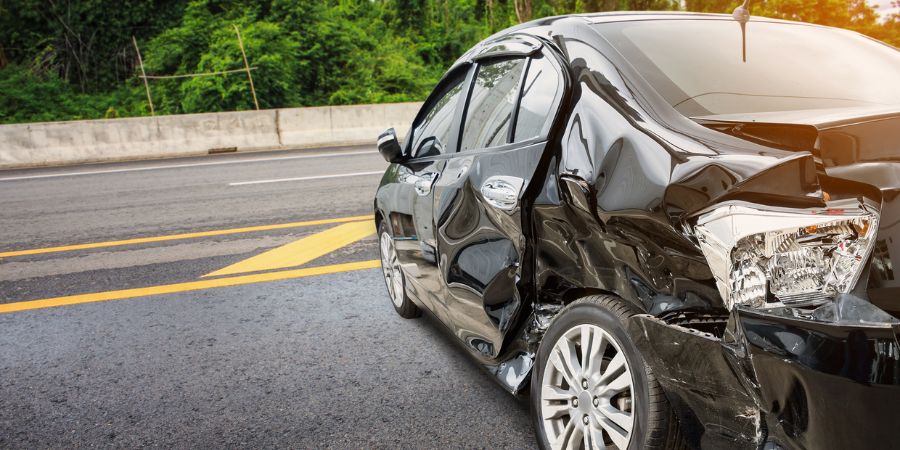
(432, 135)
(539, 97)
(491, 105)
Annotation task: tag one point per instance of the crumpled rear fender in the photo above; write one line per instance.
(779, 380)
(705, 382)
(629, 179)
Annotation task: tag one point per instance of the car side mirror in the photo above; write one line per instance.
(389, 146)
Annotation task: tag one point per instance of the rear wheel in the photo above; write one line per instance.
(393, 276)
(590, 387)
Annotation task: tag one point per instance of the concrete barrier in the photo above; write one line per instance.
(337, 125)
(58, 143)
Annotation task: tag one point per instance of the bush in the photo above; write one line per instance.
(25, 97)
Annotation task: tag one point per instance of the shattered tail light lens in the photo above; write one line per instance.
(769, 257)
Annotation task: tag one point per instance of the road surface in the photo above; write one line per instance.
(227, 300)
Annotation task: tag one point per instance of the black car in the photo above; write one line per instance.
(668, 232)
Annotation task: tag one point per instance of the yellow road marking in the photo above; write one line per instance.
(189, 286)
(173, 237)
(302, 250)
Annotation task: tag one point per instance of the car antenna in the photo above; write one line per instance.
(742, 15)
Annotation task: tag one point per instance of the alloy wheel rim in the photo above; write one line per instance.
(587, 392)
(390, 266)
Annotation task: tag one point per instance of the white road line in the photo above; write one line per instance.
(317, 177)
(178, 166)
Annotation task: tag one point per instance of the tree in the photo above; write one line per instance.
(856, 15)
(84, 42)
(62, 59)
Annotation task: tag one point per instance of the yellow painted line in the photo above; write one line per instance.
(173, 237)
(302, 250)
(189, 286)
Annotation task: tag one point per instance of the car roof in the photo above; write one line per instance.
(538, 27)
(533, 26)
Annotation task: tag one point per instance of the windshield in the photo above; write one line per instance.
(696, 65)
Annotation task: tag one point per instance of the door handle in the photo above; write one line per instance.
(422, 183)
(502, 192)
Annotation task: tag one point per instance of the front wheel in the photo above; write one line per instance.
(590, 388)
(393, 276)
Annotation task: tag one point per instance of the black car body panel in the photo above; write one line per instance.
(609, 195)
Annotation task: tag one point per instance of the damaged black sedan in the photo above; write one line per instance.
(669, 232)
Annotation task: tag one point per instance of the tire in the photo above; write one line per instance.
(610, 410)
(393, 275)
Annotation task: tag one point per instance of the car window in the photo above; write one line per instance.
(432, 135)
(697, 65)
(491, 105)
(539, 97)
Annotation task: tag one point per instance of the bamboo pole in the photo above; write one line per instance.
(246, 66)
(143, 75)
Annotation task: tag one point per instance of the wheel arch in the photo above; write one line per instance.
(379, 217)
(575, 293)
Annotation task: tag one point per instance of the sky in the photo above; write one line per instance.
(884, 7)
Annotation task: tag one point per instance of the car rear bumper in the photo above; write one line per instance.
(778, 381)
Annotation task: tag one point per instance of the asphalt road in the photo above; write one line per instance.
(185, 321)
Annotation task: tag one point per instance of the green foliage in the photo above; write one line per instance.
(64, 59)
(87, 43)
(276, 61)
(856, 15)
(305, 53)
(28, 98)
